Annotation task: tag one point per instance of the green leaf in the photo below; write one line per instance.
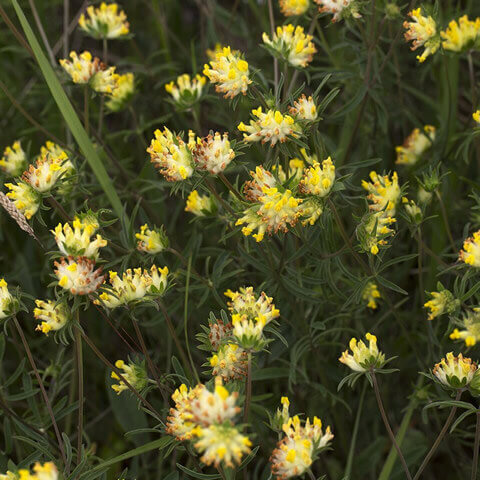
(195, 474)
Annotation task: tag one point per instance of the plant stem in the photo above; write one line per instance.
(102, 99)
(42, 388)
(445, 220)
(227, 183)
(272, 31)
(85, 110)
(185, 319)
(387, 425)
(439, 438)
(79, 369)
(248, 388)
(475, 448)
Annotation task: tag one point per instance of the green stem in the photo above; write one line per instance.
(445, 220)
(272, 31)
(85, 110)
(248, 389)
(185, 319)
(475, 448)
(79, 369)
(102, 99)
(227, 183)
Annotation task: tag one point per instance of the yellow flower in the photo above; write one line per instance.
(476, 116)
(171, 155)
(105, 22)
(262, 178)
(371, 294)
(134, 373)
(218, 332)
(134, 286)
(440, 303)
(384, 192)
(292, 45)
(455, 372)
(318, 179)
(200, 205)
(271, 127)
(462, 35)
(186, 90)
(415, 145)
(47, 471)
(310, 210)
(423, 33)
(179, 422)
(213, 153)
(363, 358)
(105, 81)
(77, 241)
(78, 275)
(470, 332)
(304, 108)
(294, 7)
(229, 362)
(151, 241)
(122, 93)
(6, 300)
(373, 230)
(229, 71)
(221, 444)
(471, 250)
(339, 8)
(26, 199)
(14, 160)
(54, 315)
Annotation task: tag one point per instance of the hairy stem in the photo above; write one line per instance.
(272, 31)
(185, 319)
(79, 369)
(248, 388)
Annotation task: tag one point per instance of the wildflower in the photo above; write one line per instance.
(475, 116)
(151, 241)
(282, 415)
(276, 212)
(14, 160)
(304, 108)
(310, 211)
(229, 362)
(423, 196)
(218, 48)
(77, 241)
(54, 315)
(134, 286)
(294, 7)
(415, 145)
(213, 153)
(200, 205)
(7, 301)
(471, 250)
(373, 230)
(221, 444)
(218, 332)
(261, 179)
(292, 45)
(455, 372)
(105, 22)
(134, 373)
(462, 35)
(229, 71)
(88, 219)
(423, 33)
(371, 294)
(470, 332)
(51, 165)
(171, 155)
(78, 275)
(364, 358)
(339, 8)
(26, 199)
(179, 422)
(271, 127)
(186, 90)
(47, 471)
(105, 81)
(384, 192)
(318, 179)
(440, 303)
(123, 92)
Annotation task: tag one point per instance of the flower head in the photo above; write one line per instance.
(229, 71)
(476, 116)
(455, 372)
(384, 192)
(371, 294)
(471, 250)
(213, 153)
(440, 303)
(304, 108)
(134, 373)
(294, 7)
(415, 145)
(470, 332)
(180, 421)
(318, 179)
(229, 362)
(271, 127)
(186, 90)
(151, 241)
(292, 45)
(47, 471)
(134, 286)
(200, 205)
(7, 301)
(78, 275)
(221, 444)
(363, 358)
(462, 35)
(219, 331)
(76, 239)
(422, 31)
(14, 160)
(25, 198)
(171, 155)
(261, 179)
(105, 22)
(339, 8)
(374, 230)
(54, 315)
(122, 93)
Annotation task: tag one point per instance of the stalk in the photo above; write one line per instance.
(79, 369)
(185, 319)
(102, 99)
(248, 388)
(475, 448)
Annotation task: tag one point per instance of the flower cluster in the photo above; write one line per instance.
(455, 372)
(104, 22)
(78, 275)
(292, 45)
(300, 445)
(422, 30)
(14, 160)
(7, 301)
(46, 471)
(200, 205)
(471, 250)
(53, 315)
(151, 241)
(363, 358)
(122, 93)
(440, 303)
(186, 90)
(213, 153)
(461, 35)
(206, 418)
(339, 8)
(134, 373)
(415, 145)
(371, 294)
(294, 7)
(470, 332)
(304, 108)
